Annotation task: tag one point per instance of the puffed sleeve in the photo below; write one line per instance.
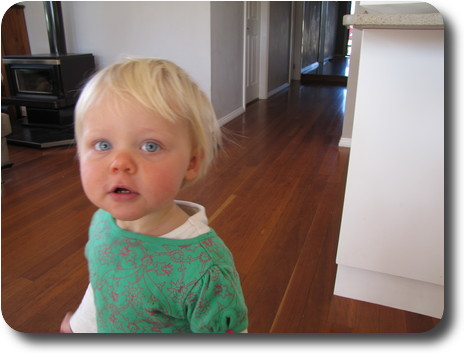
(216, 303)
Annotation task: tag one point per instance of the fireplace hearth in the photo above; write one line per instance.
(46, 87)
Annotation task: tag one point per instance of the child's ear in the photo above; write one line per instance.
(196, 159)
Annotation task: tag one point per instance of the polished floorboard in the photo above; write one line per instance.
(333, 71)
(337, 66)
(275, 196)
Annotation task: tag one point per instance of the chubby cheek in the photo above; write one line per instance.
(164, 183)
(90, 180)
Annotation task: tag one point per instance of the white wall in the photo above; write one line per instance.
(205, 38)
(227, 25)
(112, 30)
(279, 44)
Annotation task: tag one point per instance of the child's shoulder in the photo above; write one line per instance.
(206, 242)
(215, 247)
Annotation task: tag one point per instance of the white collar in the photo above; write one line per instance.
(196, 225)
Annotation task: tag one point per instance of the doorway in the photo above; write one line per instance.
(267, 48)
(324, 43)
(252, 49)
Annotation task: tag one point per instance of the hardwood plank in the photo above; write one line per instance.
(341, 316)
(317, 306)
(419, 323)
(275, 196)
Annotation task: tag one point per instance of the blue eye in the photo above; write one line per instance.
(103, 146)
(150, 146)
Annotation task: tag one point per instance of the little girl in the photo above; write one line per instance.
(144, 130)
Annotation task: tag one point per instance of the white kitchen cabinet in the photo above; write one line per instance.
(391, 246)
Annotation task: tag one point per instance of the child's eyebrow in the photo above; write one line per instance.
(94, 132)
(158, 132)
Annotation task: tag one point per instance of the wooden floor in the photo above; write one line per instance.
(334, 71)
(275, 197)
(337, 66)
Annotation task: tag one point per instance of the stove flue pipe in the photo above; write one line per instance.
(55, 28)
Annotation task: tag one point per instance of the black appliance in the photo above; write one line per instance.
(48, 85)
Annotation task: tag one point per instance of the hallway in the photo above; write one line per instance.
(275, 196)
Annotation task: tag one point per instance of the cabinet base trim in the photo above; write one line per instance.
(388, 290)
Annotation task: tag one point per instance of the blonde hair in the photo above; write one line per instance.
(163, 87)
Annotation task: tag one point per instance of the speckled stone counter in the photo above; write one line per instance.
(397, 21)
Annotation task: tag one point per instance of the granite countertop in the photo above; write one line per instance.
(398, 16)
(412, 21)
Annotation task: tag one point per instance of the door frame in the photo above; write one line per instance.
(295, 43)
(263, 51)
(246, 53)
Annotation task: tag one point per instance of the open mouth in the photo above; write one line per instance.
(122, 191)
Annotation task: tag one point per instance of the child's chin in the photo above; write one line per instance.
(124, 216)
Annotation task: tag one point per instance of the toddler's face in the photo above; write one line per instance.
(133, 162)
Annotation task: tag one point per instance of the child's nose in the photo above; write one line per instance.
(123, 163)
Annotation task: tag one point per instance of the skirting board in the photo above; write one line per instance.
(231, 116)
(344, 142)
(309, 68)
(388, 290)
(278, 89)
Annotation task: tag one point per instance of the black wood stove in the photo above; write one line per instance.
(47, 86)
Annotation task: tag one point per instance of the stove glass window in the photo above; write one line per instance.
(34, 81)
